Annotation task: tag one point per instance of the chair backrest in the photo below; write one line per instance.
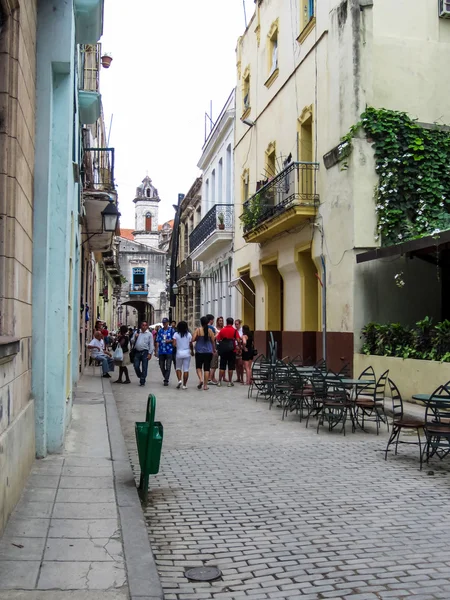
(380, 388)
(345, 370)
(297, 360)
(369, 376)
(335, 387)
(318, 383)
(397, 401)
(438, 408)
(321, 366)
(295, 379)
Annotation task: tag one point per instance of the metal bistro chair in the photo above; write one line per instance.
(260, 374)
(335, 405)
(280, 385)
(295, 399)
(315, 394)
(400, 422)
(371, 408)
(437, 424)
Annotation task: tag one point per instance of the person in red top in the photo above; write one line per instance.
(227, 339)
(105, 334)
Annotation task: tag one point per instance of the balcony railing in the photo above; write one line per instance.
(138, 289)
(187, 267)
(97, 172)
(292, 187)
(219, 218)
(90, 67)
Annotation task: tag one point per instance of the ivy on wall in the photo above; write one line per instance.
(413, 165)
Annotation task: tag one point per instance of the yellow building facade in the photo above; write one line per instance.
(306, 70)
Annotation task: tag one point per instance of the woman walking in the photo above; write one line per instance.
(247, 352)
(204, 345)
(123, 340)
(182, 343)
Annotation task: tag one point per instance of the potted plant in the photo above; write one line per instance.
(106, 60)
(221, 219)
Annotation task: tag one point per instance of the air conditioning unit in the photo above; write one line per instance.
(444, 9)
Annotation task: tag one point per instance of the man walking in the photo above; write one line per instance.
(143, 350)
(164, 348)
(98, 352)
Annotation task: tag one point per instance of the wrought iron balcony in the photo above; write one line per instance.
(219, 218)
(97, 173)
(282, 203)
(188, 267)
(138, 289)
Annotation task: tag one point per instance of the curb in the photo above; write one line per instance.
(143, 578)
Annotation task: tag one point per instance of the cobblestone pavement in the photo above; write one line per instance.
(282, 511)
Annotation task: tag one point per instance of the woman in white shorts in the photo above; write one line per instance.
(182, 341)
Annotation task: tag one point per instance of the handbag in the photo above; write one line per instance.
(133, 350)
(118, 354)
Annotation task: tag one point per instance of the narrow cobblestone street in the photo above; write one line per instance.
(282, 511)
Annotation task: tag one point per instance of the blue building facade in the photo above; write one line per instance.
(62, 109)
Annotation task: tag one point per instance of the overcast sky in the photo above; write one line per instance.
(170, 59)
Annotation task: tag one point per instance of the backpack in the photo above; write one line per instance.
(226, 345)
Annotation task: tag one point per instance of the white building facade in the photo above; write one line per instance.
(211, 242)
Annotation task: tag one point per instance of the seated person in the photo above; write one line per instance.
(96, 346)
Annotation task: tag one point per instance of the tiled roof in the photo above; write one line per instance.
(127, 234)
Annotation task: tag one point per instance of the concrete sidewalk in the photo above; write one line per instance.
(78, 531)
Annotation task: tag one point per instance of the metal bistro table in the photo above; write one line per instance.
(354, 384)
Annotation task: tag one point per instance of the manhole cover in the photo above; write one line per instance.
(203, 573)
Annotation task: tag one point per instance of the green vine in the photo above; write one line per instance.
(413, 164)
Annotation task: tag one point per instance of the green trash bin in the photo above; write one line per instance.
(149, 438)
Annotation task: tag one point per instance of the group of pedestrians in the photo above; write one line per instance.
(217, 346)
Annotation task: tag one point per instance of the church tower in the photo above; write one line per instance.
(146, 214)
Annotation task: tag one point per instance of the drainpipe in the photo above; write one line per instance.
(324, 307)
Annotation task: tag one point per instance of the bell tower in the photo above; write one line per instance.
(146, 214)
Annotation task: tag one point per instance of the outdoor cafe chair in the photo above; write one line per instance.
(437, 424)
(400, 422)
(371, 408)
(335, 405)
(260, 376)
(315, 393)
(280, 385)
(294, 400)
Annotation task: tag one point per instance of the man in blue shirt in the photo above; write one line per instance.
(164, 348)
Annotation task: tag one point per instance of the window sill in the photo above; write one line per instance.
(9, 347)
(271, 78)
(246, 113)
(306, 30)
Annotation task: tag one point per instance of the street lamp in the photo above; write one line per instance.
(110, 217)
(175, 289)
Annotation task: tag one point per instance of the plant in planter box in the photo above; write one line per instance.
(252, 212)
(441, 342)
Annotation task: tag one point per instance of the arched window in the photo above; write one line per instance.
(148, 222)
(148, 192)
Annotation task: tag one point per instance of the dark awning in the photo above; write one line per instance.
(422, 247)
